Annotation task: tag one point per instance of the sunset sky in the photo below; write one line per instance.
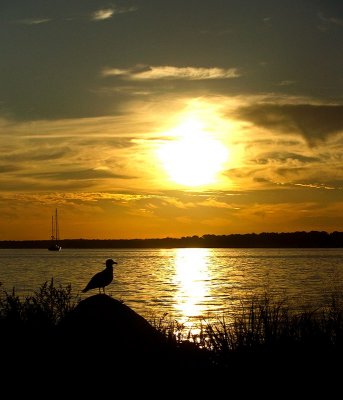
(156, 118)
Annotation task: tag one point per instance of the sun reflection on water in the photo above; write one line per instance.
(192, 279)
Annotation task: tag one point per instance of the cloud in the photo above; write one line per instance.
(102, 14)
(286, 83)
(315, 186)
(83, 174)
(314, 122)
(8, 168)
(142, 72)
(327, 22)
(106, 13)
(34, 21)
(41, 153)
(285, 157)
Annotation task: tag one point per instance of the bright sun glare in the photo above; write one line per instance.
(192, 279)
(193, 157)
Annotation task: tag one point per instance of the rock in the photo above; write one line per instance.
(103, 328)
(100, 337)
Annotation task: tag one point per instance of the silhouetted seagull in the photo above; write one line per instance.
(101, 279)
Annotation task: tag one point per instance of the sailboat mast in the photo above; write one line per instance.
(54, 233)
(56, 222)
(52, 228)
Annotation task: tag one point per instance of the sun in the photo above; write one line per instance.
(192, 156)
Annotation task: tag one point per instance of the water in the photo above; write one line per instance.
(184, 284)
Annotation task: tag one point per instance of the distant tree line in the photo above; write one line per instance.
(312, 239)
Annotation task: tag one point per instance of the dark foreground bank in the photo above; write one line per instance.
(52, 334)
(98, 330)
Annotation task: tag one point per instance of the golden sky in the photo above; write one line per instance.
(143, 119)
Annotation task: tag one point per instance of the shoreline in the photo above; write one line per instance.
(301, 239)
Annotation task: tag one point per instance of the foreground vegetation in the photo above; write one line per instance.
(263, 327)
(45, 308)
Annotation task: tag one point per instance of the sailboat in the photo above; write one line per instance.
(54, 246)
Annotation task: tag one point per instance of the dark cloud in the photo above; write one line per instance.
(113, 142)
(285, 157)
(8, 168)
(40, 154)
(83, 174)
(51, 61)
(314, 122)
(290, 172)
(19, 185)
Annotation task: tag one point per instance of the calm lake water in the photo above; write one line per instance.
(185, 284)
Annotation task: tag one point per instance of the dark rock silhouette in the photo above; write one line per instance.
(101, 316)
(101, 279)
(101, 328)
(100, 336)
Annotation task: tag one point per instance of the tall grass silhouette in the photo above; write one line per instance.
(262, 325)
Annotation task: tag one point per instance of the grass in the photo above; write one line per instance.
(44, 309)
(263, 325)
